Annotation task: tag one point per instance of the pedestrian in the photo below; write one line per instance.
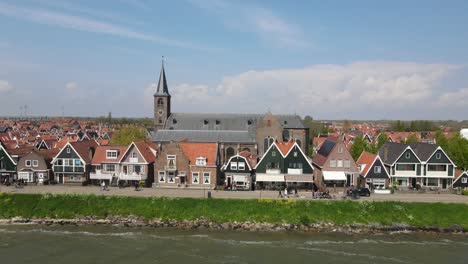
(286, 192)
(295, 192)
(103, 186)
(136, 185)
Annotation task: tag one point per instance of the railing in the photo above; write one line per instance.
(58, 168)
(294, 171)
(437, 173)
(100, 176)
(133, 177)
(273, 171)
(134, 160)
(399, 173)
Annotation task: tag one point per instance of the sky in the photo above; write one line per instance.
(327, 59)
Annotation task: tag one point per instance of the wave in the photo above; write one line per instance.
(351, 254)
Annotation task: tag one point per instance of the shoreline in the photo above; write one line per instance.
(205, 224)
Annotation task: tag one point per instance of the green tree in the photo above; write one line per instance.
(358, 147)
(458, 151)
(441, 140)
(376, 145)
(411, 139)
(127, 135)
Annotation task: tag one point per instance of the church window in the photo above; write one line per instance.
(160, 102)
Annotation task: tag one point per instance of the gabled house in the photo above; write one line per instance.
(106, 164)
(137, 163)
(284, 164)
(461, 180)
(36, 166)
(239, 171)
(7, 165)
(73, 163)
(373, 171)
(334, 165)
(418, 164)
(187, 164)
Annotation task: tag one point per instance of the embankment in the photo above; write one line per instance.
(261, 215)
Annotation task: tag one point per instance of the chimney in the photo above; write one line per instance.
(385, 153)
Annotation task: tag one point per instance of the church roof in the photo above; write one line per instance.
(162, 89)
(203, 136)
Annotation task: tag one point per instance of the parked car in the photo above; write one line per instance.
(363, 192)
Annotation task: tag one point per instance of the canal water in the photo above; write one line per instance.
(36, 244)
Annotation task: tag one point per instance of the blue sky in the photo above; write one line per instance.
(327, 59)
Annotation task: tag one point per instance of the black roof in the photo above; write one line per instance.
(326, 148)
(162, 89)
(393, 151)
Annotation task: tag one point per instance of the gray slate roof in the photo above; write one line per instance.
(423, 150)
(394, 150)
(232, 122)
(203, 136)
(162, 89)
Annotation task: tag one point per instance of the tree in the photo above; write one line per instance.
(127, 135)
(109, 118)
(458, 151)
(376, 145)
(441, 140)
(411, 139)
(358, 147)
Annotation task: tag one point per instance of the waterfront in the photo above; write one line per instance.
(40, 244)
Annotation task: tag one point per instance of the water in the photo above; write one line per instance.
(37, 244)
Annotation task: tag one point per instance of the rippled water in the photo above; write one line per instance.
(35, 244)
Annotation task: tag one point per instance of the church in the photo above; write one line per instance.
(232, 132)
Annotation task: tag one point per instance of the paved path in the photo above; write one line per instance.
(198, 193)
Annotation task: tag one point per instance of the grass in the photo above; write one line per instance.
(224, 210)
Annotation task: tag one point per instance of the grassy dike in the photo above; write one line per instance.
(341, 213)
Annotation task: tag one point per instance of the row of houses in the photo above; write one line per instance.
(187, 164)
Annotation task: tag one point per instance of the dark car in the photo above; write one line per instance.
(363, 192)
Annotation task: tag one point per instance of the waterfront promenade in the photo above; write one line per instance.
(199, 193)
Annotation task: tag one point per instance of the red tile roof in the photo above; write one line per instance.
(146, 149)
(284, 147)
(100, 156)
(194, 150)
(366, 159)
(319, 160)
(83, 148)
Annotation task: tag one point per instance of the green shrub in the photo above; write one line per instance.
(465, 192)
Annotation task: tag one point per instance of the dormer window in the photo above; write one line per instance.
(68, 150)
(201, 161)
(438, 156)
(407, 155)
(111, 154)
(134, 155)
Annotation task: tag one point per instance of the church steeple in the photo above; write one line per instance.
(162, 101)
(162, 89)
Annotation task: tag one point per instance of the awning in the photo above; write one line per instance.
(299, 178)
(240, 178)
(270, 178)
(334, 176)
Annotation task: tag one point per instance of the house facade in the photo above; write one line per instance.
(373, 171)
(137, 163)
(7, 166)
(461, 180)
(35, 167)
(418, 165)
(284, 164)
(334, 165)
(72, 164)
(239, 171)
(106, 164)
(187, 165)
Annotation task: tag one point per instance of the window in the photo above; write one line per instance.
(241, 165)
(407, 155)
(28, 163)
(201, 161)
(170, 177)
(438, 155)
(406, 167)
(206, 177)
(68, 150)
(35, 163)
(432, 182)
(134, 155)
(160, 102)
(233, 165)
(377, 169)
(273, 153)
(347, 163)
(162, 176)
(436, 167)
(2, 164)
(60, 162)
(295, 153)
(171, 161)
(295, 165)
(340, 150)
(332, 163)
(195, 178)
(137, 169)
(78, 162)
(111, 154)
(110, 167)
(339, 164)
(464, 180)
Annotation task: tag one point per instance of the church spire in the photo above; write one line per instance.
(162, 89)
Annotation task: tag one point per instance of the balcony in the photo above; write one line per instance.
(98, 175)
(170, 168)
(295, 171)
(67, 169)
(437, 173)
(273, 171)
(133, 177)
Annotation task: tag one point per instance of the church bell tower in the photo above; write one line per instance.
(162, 101)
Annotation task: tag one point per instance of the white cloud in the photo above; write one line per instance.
(358, 90)
(259, 20)
(63, 20)
(5, 86)
(71, 87)
(456, 99)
